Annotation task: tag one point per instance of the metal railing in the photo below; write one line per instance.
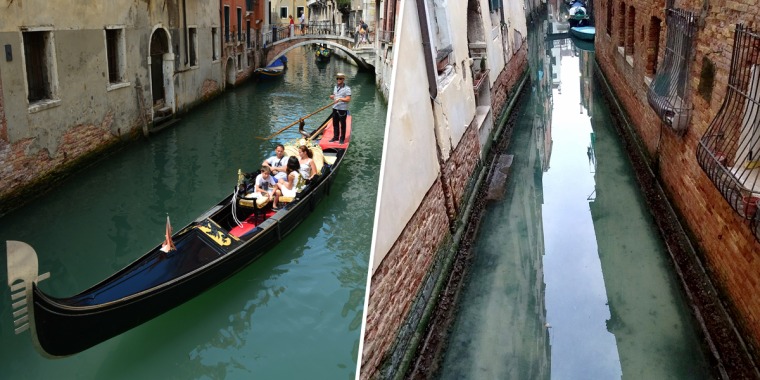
(729, 151)
(668, 88)
(279, 32)
(385, 36)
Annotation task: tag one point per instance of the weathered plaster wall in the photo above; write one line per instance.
(409, 164)
(431, 157)
(91, 114)
(724, 238)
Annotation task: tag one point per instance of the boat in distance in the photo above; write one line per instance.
(275, 69)
(584, 33)
(217, 244)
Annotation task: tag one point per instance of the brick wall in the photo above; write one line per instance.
(507, 79)
(209, 89)
(402, 285)
(729, 247)
(398, 279)
(21, 166)
(461, 166)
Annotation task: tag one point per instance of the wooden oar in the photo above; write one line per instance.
(295, 122)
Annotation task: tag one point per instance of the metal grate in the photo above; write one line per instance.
(729, 152)
(667, 91)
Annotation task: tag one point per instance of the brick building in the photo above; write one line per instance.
(447, 97)
(78, 78)
(687, 75)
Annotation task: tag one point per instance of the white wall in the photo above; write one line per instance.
(409, 164)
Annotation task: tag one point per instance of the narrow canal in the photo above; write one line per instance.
(569, 277)
(294, 313)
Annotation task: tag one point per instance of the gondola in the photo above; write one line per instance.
(274, 70)
(577, 15)
(322, 54)
(217, 244)
(584, 33)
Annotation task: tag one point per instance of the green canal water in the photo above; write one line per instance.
(294, 313)
(570, 279)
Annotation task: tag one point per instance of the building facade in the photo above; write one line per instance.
(686, 74)
(78, 78)
(443, 108)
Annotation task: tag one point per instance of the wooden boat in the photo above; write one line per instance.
(322, 54)
(276, 69)
(208, 250)
(584, 33)
(577, 15)
(583, 45)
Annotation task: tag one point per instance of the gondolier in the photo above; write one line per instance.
(341, 96)
(226, 238)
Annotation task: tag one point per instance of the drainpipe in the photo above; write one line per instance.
(187, 43)
(426, 49)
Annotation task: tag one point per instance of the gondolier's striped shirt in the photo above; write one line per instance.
(341, 92)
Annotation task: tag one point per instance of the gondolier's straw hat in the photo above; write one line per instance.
(340, 75)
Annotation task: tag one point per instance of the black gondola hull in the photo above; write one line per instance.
(66, 326)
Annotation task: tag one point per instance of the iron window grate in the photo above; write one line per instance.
(729, 151)
(666, 94)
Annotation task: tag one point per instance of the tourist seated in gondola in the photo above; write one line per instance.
(307, 168)
(288, 189)
(277, 163)
(264, 185)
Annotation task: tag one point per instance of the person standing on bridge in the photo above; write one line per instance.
(292, 27)
(341, 96)
(302, 20)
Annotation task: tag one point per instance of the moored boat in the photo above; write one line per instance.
(585, 33)
(577, 15)
(323, 53)
(275, 69)
(217, 244)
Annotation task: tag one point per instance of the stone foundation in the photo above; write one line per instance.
(25, 166)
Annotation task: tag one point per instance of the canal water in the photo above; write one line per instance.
(294, 313)
(569, 278)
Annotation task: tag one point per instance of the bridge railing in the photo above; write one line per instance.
(385, 36)
(282, 31)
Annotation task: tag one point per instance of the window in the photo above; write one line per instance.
(239, 24)
(193, 36)
(439, 25)
(630, 30)
(494, 5)
(248, 33)
(249, 5)
(653, 45)
(239, 62)
(226, 23)
(621, 25)
(39, 61)
(729, 151)
(115, 54)
(214, 44)
(283, 12)
(609, 18)
(666, 93)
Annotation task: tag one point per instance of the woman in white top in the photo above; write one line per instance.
(287, 188)
(306, 166)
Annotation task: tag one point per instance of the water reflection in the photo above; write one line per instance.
(300, 303)
(570, 279)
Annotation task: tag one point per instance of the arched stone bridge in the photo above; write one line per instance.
(363, 55)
